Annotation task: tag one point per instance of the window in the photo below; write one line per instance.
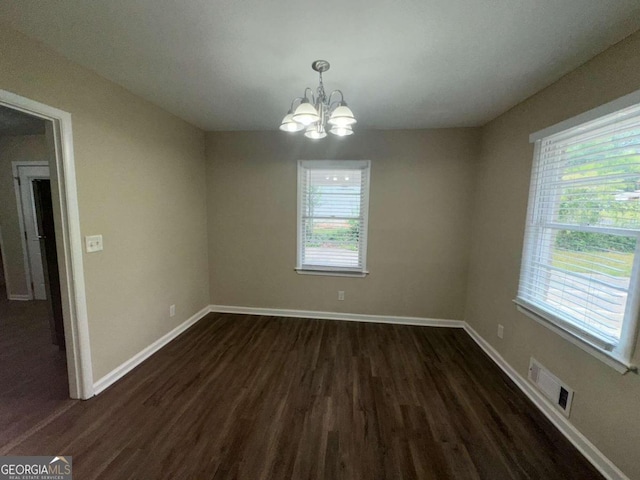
(333, 203)
(581, 258)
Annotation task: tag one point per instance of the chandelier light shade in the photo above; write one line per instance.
(341, 131)
(317, 113)
(289, 124)
(306, 114)
(342, 116)
(315, 132)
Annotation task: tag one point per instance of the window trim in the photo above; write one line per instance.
(620, 357)
(617, 363)
(365, 166)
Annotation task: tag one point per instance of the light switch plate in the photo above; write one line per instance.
(93, 243)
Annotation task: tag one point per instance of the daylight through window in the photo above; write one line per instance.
(580, 265)
(332, 216)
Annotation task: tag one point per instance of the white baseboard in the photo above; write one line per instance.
(20, 297)
(350, 317)
(605, 466)
(120, 371)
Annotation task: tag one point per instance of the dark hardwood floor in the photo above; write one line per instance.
(33, 371)
(273, 398)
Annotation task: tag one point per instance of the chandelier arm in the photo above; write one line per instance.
(313, 98)
(341, 96)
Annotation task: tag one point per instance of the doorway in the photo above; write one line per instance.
(36, 220)
(25, 174)
(51, 207)
(33, 366)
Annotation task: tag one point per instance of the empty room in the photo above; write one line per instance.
(351, 240)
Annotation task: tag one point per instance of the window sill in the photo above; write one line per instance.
(331, 273)
(618, 364)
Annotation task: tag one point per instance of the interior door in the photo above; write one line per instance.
(27, 174)
(46, 228)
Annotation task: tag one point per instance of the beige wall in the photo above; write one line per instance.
(606, 405)
(140, 174)
(420, 199)
(18, 148)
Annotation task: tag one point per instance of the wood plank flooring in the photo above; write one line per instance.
(33, 371)
(247, 397)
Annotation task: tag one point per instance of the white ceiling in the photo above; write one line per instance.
(237, 64)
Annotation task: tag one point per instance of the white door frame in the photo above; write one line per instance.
(72, 286)
(22, 223)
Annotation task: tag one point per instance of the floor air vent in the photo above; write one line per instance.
(551, 387)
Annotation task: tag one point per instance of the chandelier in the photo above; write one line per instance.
(317, 114)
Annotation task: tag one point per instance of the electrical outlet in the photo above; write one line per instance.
(500, 331)
(172, 311)
(93, 243)
(341, 295)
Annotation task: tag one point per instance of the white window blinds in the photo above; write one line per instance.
(332, 215)
(580, 265)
